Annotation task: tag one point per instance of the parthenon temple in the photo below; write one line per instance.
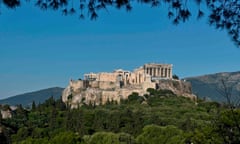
(143, 77)
(115, 85)
(146, 73)
(158, 71)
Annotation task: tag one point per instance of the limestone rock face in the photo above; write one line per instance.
(99, 88)
(96, 96)
(178, 87)
(76, 96)
(66, 93)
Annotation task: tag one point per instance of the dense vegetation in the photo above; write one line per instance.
(160, 117)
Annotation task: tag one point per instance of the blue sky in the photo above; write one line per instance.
(42, 49)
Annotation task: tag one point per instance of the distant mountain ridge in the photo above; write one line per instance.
(206, 86)
(37, 96)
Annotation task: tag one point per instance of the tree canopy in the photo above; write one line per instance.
(223, 14)
(162, 118)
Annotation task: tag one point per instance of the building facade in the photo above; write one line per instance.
(158, 71)
(98, 88)
(145, 73)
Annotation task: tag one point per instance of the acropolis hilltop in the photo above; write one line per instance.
(99, 87)
(139, 75)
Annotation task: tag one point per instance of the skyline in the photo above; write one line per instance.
(42, 49)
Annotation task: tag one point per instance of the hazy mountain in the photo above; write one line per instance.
(37, 96)
(206, 86)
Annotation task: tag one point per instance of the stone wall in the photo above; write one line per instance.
(124, 93)
(110, 96)
(75, 85)
(98, 88)
(99, 96)
(146, 85)
(107, 85)
(93, 84)
(111, 77)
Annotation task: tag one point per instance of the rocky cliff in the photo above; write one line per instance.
(75, 94)
(178, 87)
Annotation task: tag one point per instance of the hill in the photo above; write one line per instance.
(160, 117)
(37, 96)
(206, 86)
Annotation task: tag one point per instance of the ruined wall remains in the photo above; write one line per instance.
(75, 85)
(98, 88)
(108, 85)
(110, 77)
(146, 85)
(110, 96)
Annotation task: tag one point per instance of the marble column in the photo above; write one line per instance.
(155, 72)
(168, 72)
(171, 73)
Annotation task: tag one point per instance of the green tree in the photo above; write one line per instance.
(33, 106)
(151, 91)
(53, 118)
(135, 98)
(227, 126)
(67, 137)
(175, 77)
(20, 116)
(104, 138)
(34, 141)
(153, 134)
(21, 135)
(228, 120)
(125, 138)
(4, 135)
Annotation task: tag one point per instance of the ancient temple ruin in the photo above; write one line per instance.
(116, 85)
(145, 73)
(158, 71)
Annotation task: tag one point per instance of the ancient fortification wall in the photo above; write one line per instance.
(98, 88)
